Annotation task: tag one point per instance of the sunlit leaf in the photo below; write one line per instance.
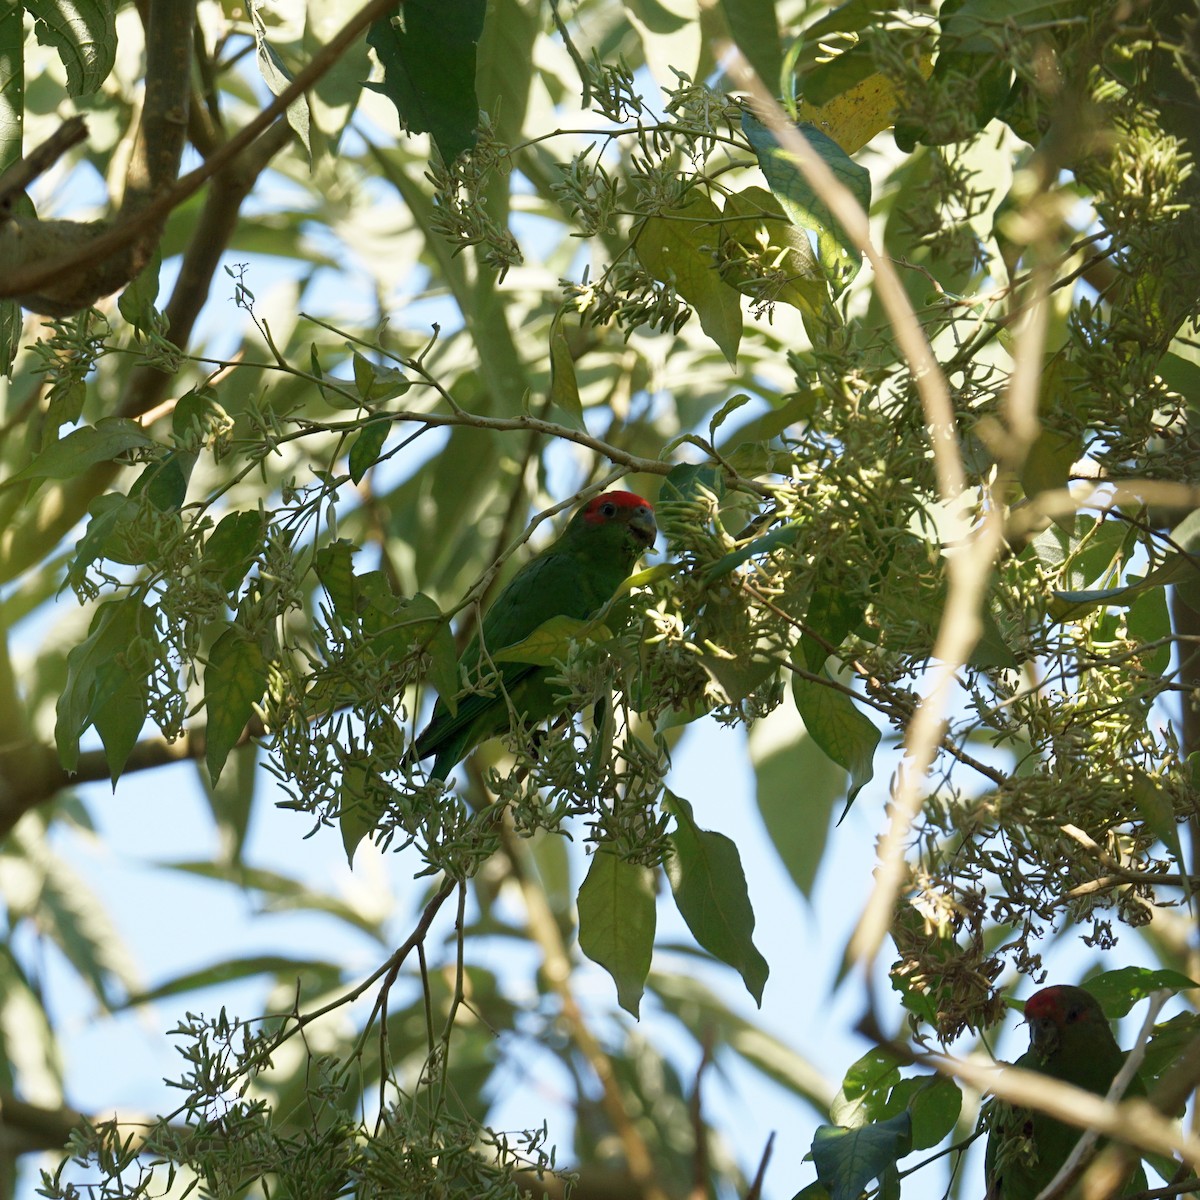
(839, 257)
(709, 885)
(616, 922)
(679, 247)
(84, 35)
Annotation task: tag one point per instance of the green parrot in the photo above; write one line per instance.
(1070, 1040)
(574, 577)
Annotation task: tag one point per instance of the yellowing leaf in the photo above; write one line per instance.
(855, 116)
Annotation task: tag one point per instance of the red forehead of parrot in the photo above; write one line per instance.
(608, 505)
(1062, 1004)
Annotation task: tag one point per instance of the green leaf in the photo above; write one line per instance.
(842, 73)
(277, 77)
(231, 548)
(1168, 1041)
(551, 641)
(120, 715)
(1047, 467)
(396, 626)
(235, 678)
(934, 1107)
(616, 922)
(363, 798)
(839, 258)
(335, 569)
(832, 614)
(136, 301)
(376, 382)
(336, 94)
(83, 448)
(1182, 376)
(691, 481)
(564, 389)
(428, 627)
(367, 445)
(865, 1090)
(848, 1159)
(728, 408)
(796, 785)
(107, 517)
(83, 33)
(428, 57)
(1118, 991)
(782, 535)
(756, 230)
(12, 323)
(121, 644)
(165, 481)
(836, 725)
(813, 1191)
(1069, 606)
(709, 886)
(851, 17)
(1149, 622)
(1154, 807)
(755, 28)
(679, 248)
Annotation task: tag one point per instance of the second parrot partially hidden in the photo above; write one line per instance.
(574, 577)
(1069, 1040)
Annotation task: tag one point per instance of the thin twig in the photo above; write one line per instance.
(754, 1192)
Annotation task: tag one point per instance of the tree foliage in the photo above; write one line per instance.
(923, 480)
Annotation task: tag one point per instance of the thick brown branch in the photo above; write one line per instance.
(29, 1127)
(207, 243)
(152, 169)
(35, 277)
(64, 503)
(32, 775)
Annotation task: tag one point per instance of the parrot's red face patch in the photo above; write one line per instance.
(611, 506)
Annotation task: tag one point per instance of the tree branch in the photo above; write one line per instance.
(32, 277)
(157, 150)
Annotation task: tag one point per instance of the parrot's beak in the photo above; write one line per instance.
(643, 527)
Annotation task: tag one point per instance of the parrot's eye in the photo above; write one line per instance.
(609, 510)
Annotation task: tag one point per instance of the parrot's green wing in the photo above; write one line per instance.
(556, 583)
